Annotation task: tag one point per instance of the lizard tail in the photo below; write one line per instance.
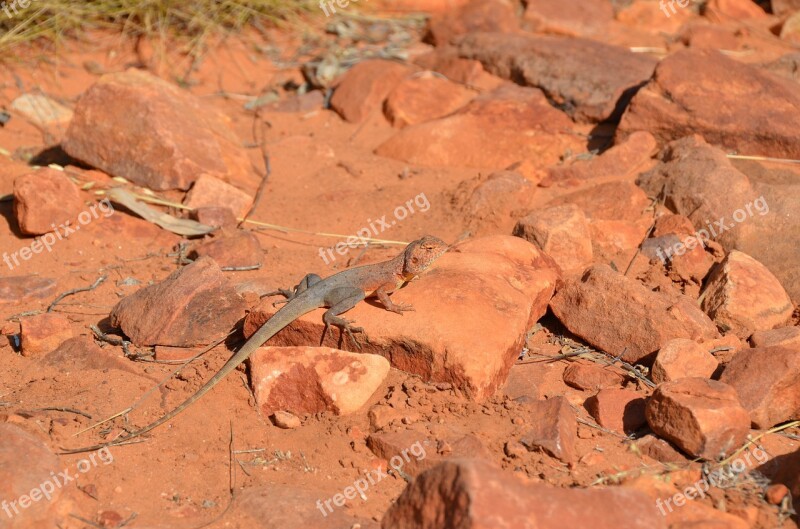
(286, 315)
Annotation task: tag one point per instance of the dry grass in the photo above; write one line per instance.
(54, 20)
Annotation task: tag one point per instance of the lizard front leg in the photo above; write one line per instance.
(308, 281)
(383, 296)
(340, 300)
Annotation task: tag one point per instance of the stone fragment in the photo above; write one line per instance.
(424, 97)
(43, 333)
(620, 410)
(591, 377)
(18, 289)
(41, 110)
(475, 15)
(363, 89)
(681, 358)
(626, 158)
(787, 336)
(218, 217)
(553, 428)
(43, 201)
(240, 249)
(414, 451)
(489, 202)
(562, 232)
(577, 18)
(286, 420)
(208, 191)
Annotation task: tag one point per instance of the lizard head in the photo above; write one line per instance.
(420, 254)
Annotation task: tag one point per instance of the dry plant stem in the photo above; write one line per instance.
(75, 291)
(752, 441)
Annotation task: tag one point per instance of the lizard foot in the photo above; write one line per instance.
(400, 309)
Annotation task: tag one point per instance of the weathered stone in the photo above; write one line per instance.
(240, 249)
(520, 122)
(193, 306)
(516, 281)
(620, 410)
(609, 201)
(308, 380)
(286, 420)
(742, 296)
(562, 232)
(218, 217)
(489, 203)
(553, 428)
(786, 336)
(476, 15)
(43, 333)
(629, 157)
(208, 191)
(363, 89)
(702, 417)
(18, 289)
(659, 449)
(681, 358)
(784, 7)
(675, 103)
(765, 379)
(41, 110)
(424, 97)
(135, 125)
(576, 18)
(474, 494)
(521, 383)
(592, 81)
(591, 377)
(622, 317)
(728, 10)
(414, 451)
(470, 73)
(44, 200)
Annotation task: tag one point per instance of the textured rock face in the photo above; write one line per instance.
(133, 124)
(562, 232)
(364, 88)
(553, 428)
(758, 113)
(682, 358)
(702, 417)
(622, 317)
(44, 200)
(591, 80)
(424, 97)
(43, 333)
(621, 410)
(515, 281)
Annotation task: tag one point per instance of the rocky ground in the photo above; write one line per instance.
(612, 340)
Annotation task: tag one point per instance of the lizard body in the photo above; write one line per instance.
(339, 292)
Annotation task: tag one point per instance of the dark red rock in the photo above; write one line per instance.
(553, 428)
(193, 306)
(621, 410)
(591, 377)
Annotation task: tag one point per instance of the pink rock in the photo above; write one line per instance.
(517, 280)
(553, 428)
(240, 249)
(589, 307)
(308, 380)
(681, 358)
(621, 410)
(424, 97)
(704, 418)
(591, 377)
(742, 296)
(520, 121)
(477, 495)
(44, 200)
(43, 333)
(208, 191)
(562, 232)
(364, 88)
(135, 125)
(193, 306)
(765, 380)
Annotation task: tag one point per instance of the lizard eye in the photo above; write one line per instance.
(415, 260)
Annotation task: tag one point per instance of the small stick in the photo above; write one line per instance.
(267, 169)
(65, 410)
(77, 290)
(240, 268)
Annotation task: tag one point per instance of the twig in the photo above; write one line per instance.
(77, 290)
(761, 158)
(267, 167)
(65, 410)
(756, 438)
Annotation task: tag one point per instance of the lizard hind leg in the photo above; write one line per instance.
(340, 300)
(307, 282)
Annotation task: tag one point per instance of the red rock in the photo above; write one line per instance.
(675, 103)
(620, 410)
(424, 97)
(702, 417)
(775, 493)
(286, 420)
(521, 383)
(44, 200)
(593, 307)
(609, 201)
(240, 249)
(562, 232)
(307, 380)
(414, 452)
(476, 15)
(591, 377)
(474, 494)
(592, 80)
(575, 18)
(193, 306)
(28, 464)
(520, 122)
(727, 10)
(766, 381)
(489, 203)
(365, 86)
(659, 449)
(742, 296)
(630, 157)
(616, 241)
(218, 217)
(208, 191)
(468, 72)
(420, 6)
(784, 7)
(18, 289)
(135, 125)
(516, 279)
(790, 31)
(787, 336)
(669, 223)
(553, 428)
(43, 333)
(681, 358)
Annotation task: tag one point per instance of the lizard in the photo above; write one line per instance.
(338, 293)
